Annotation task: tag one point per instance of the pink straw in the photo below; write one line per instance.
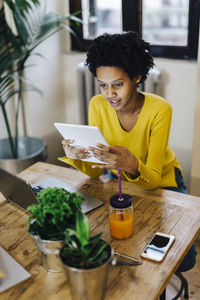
(120, 192)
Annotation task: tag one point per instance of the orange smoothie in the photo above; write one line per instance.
(121, 224)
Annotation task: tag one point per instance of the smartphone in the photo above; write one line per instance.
(158, 246)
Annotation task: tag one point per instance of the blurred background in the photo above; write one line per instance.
(172, 28)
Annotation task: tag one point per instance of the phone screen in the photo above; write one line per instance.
(158, 242)
(158, 247)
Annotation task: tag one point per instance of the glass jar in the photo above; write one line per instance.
(121, 216)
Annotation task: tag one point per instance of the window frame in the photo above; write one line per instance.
(132, 20)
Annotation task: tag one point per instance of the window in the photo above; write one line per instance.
(165, 22)
(170, 26)
(101, 16)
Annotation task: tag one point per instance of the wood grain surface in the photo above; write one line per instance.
(156, 210)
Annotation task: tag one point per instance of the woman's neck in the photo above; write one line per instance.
(129, 117)
(135, 106)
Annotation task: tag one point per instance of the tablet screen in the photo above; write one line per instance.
(83, 136)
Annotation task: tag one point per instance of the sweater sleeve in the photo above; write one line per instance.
(93, 113)
(150, 172)
(83, 166)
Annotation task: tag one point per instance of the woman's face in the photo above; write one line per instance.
(117, 87)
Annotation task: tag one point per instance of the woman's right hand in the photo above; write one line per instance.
(75, 152)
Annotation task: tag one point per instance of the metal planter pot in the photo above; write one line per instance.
(30, 150)
(49, 254)
(88, 284)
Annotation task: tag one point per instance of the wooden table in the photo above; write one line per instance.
(156, 210)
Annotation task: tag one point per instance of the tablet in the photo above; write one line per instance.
(83, 136)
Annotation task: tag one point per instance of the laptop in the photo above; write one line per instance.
(23, 194)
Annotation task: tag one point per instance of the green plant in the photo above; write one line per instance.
(55, 212)
(82, 250)
(32, 26)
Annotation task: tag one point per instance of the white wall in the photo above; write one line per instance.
(179, 84)
(57, 77)
(195, 169)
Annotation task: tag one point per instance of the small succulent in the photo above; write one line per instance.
(56, 210)
(81, 250)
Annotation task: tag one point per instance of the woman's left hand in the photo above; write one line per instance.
(115, 157)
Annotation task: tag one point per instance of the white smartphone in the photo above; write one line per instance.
(158, 246)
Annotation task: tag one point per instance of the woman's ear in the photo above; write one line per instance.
(138, 79)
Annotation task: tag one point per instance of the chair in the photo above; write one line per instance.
(184, 287)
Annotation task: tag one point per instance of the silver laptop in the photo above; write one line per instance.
(23, 194)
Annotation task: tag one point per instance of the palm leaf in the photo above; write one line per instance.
(19, 23)
(23, 5)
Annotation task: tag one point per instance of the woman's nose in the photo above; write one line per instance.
(110, 92)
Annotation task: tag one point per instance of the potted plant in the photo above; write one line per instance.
(85, 259)
(31, 26)
(56, 210)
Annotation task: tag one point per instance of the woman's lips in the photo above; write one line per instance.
(114, 103)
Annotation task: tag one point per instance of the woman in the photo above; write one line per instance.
(135, 124)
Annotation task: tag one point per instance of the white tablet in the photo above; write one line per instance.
(83, 136)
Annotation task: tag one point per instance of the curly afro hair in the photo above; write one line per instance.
(125, 51)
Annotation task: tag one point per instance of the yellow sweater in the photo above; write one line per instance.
(148, 141)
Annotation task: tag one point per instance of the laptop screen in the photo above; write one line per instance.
(21, 193)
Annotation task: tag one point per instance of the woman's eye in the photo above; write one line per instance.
(102, 86)
(118, 85)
